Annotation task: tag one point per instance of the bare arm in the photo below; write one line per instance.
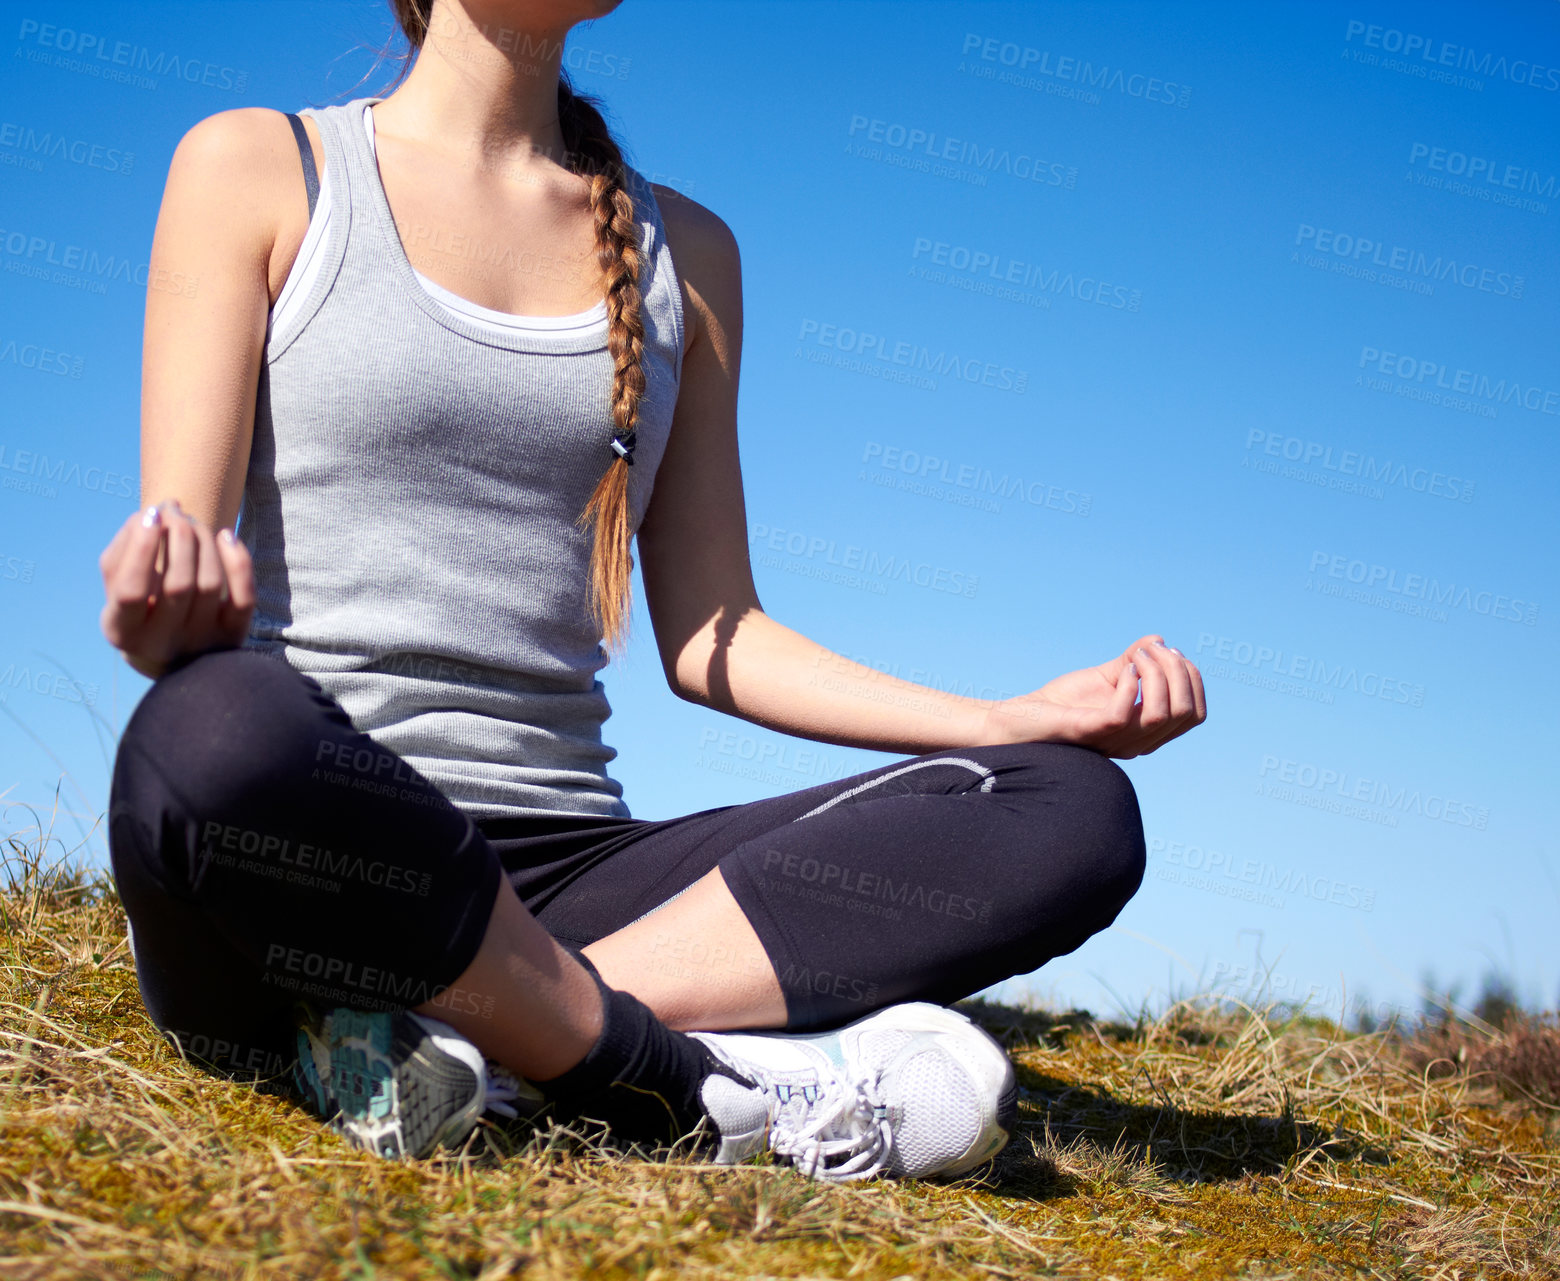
(226, 223)
(233, 178)
(720, 649)
(717, 645)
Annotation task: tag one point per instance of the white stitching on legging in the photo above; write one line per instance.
(990, 780)
(659, 906)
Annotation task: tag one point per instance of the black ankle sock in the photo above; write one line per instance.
(641, 1079)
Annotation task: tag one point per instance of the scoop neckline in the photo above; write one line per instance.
(582, 331)
(511, 319)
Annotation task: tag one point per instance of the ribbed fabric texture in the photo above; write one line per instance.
(410, 506)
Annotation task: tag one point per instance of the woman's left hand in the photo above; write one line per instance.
(1098, 707)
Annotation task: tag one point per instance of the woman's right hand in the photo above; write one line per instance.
(201, 599)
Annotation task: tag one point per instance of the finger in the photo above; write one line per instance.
(1111, 727)
(133, 584)
(1112, 668)
(210, 582)
(1199, 695)
(111, 554)
(1142, 642)
(1156, 690)
(1174, 662)
(1183, 697)
(233, 619)
(1122, 709)
(165, 630)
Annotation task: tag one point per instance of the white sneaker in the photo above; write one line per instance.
(910, 1091)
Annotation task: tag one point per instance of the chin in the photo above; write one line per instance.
(553, 12)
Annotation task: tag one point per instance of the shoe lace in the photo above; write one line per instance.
(856, 1128)
(503, 1088)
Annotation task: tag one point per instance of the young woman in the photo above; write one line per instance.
(446, 357)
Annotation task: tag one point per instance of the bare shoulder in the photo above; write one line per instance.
(238, 170)
(244, 150)
(694, 232)
(704, 251)
(702, 245)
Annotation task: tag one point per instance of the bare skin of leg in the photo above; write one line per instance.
(696, 962)
(525, 1002)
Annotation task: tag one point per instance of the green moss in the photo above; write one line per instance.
(1202, 1143)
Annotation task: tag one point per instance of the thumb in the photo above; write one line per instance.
(1115, 667)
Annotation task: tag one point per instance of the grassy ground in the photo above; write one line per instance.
(1203, 1143)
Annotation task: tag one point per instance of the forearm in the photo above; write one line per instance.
(769, 674)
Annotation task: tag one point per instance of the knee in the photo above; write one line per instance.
(1089, 816)
(212, 724)
(225, 695)
(1114, 827)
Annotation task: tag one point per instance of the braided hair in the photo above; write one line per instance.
(591, 151)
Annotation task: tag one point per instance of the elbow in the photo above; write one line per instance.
(675, 669)
(688, 691)
(699, 670)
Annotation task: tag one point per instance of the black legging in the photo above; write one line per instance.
(267, 850)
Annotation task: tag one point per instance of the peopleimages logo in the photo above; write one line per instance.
(1443, 53)
(287, 966)
(1351, 249)
(866, 560)
(973, 477)
(77, 151)
(1247, 878)
(1266, 664)
(912, 358)
(107, 56)
(959, 151)
(1022, 60)
(1005, 277)
(50, 684)
(849, 664)
(52, 472)
(303, 861)
(1341, 785)
(770, 752)
(84, 268)
(1351, 462)
(1416, 372)
(842, 883)
(1422, 587)
(43, 359)
(1459, 164)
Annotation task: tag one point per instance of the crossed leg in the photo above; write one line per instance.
(925, 879)
(727, 983)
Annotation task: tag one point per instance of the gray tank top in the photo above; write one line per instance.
(410, 505)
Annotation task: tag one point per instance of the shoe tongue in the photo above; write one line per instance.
(733, 1107)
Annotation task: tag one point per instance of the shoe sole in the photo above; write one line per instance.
(431, 1096)
(447, 1092)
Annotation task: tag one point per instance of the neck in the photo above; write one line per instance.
(485, 84)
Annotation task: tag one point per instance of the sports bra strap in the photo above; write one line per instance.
(311, 179)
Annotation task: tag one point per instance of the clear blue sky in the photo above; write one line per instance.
(1257, 307)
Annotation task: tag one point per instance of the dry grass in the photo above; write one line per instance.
(1208, 1142)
